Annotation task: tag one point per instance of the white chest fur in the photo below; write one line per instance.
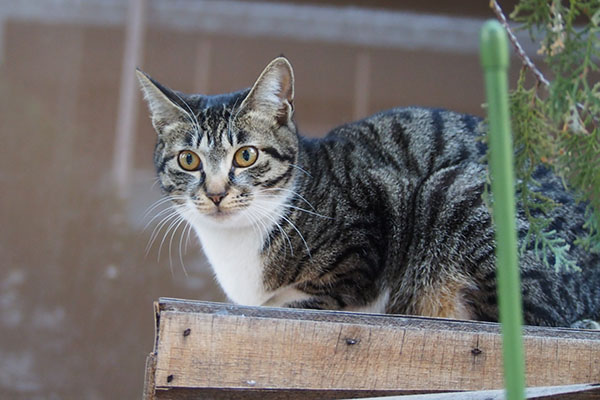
(236, 261)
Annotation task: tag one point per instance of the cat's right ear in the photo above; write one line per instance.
(160, 100)
(273, 93)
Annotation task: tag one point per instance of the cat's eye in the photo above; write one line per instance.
(245, 157)
(189, 160)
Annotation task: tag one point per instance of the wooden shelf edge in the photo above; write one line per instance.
(217, 350)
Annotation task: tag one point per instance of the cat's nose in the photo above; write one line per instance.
(217, 197)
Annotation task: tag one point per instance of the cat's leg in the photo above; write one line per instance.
(586, 324)
(291, 297)
(445, 300)
(285, 296)
(320, 302)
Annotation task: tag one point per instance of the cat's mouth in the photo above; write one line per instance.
(220, 213)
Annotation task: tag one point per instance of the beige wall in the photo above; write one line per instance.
(76, 289)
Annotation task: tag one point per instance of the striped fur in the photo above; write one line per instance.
(382, 215)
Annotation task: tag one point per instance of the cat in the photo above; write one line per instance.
(383, 215)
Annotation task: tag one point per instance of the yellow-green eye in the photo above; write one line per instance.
(245, 157)
(189, 160)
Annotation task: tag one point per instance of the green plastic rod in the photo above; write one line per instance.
(495, 61)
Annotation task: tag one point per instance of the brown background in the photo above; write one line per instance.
(76, 287)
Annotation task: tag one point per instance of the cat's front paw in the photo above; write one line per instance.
(322, 302)
(586, 324)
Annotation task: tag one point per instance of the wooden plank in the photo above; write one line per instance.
(149, 377)
(585, 391)
(268, 353)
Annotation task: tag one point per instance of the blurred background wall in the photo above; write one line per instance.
(76, 174)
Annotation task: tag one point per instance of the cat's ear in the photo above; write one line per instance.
(273, 92)
(161, 100)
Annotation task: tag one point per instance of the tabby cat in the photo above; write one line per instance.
(382, 215)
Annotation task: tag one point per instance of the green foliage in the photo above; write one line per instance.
(532, 146)
(559, 125)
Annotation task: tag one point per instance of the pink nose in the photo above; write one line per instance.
(216, 197)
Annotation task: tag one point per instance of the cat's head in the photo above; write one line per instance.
(226, 160)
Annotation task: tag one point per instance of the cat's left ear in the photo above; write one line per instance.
(273, 92)
(165, 105)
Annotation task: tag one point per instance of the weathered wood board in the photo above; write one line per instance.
(213, 350)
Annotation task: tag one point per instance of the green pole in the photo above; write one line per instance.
(495, 60)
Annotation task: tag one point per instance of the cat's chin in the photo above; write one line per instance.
(225, 218)
(220, 215)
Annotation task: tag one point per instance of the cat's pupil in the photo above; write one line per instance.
(189, 159)
(246, 155)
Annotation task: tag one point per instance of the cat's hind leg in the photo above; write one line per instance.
(446, 300)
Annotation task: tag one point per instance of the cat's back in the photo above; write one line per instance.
(416, 140)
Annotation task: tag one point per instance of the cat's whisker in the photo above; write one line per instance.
(293, 192)
(272, 193)
(185, 227)
(169, 210)
(158, 228)
(154, 205)
(173, 224)
(293, 227)
(172, 231)
(160, 202)
(299, 233)
(253, 223)
(159, 214)
(171, 243)
(261, 225)
(267, 231)
(265, 213)
(265, 200)
(299, 168)
(187, 239)
(156, 181)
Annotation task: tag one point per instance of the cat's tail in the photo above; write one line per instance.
(562, 298)
(596, 294)
(591, 293)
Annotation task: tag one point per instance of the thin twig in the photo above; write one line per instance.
(524, 57)
(513, 39)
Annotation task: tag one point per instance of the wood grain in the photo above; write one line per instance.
(212, 346)
(149, 377)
